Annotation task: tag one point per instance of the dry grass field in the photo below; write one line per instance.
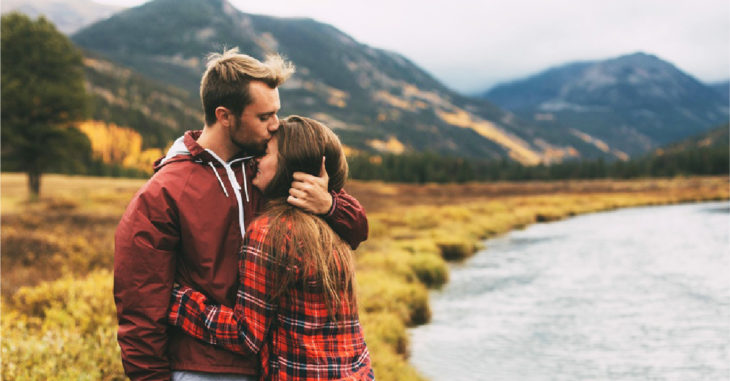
(58, 320)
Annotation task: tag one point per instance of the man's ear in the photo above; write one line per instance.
(222, 116)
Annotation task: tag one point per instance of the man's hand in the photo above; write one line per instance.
(311, 192)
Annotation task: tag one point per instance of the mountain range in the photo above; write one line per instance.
(632, 103)
(376, 100)
(143, 71)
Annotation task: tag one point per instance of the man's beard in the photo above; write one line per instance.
(249, 148)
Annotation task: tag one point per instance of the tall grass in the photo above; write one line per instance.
(58, 318)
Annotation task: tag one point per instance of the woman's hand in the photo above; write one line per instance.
(173, 315)
(311, 192)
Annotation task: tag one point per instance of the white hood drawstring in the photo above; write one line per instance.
(245, 186)
(219, 178)
(234, 184)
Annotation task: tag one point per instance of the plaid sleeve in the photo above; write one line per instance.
(243, 328)
(214, 324)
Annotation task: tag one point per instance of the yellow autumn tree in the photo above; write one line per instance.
(119, 145)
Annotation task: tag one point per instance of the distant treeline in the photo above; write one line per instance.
(98, 168)
(430, 167)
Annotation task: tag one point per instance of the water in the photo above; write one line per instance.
(633, 294)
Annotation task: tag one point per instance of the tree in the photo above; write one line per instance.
(42, 96)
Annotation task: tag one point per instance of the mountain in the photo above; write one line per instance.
(120, 96)
(716, 138)
(68, 15)
(705, 154)
(376, 100)
(723, 88)
(632, 103)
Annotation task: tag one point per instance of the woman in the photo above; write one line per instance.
(295, 305)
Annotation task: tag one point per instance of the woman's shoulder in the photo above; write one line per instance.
(260, 223)
(263, 224)
(268, 237)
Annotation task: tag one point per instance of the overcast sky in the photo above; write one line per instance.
(473, 45)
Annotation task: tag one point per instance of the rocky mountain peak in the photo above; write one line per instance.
(634, 102)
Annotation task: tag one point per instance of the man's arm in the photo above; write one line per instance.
(342, 212)
(144, 269)
(347, 218)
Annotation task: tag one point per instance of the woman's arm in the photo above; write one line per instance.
(243, 328)
(211, 323)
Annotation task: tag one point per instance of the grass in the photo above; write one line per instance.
(57, 253)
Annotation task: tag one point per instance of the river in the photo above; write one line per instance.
(632, 294)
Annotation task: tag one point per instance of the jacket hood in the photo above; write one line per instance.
(185, 148)
(178, 148)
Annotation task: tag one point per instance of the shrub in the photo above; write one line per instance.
(383, 292)
(386, 259)
(23, 247)
(455, 250)
(389, 365)
(62, 330)
(430, 269)
(386, 328)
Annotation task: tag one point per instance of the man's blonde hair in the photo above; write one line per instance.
(227, 76)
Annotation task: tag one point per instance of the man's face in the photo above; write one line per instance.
(258, 120)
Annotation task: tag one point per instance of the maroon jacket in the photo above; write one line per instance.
(184, 225)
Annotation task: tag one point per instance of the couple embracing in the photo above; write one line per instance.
(234, 262)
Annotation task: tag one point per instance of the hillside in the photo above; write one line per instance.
(723, 88)
(375, 99)
(158, 111)
(632, 103)
(716, 138)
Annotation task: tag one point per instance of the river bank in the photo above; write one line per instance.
(58, 314)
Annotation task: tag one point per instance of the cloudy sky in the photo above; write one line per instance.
(471, 45)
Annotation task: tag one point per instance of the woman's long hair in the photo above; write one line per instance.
(320, 254)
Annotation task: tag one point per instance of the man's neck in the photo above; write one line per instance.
(213, 139)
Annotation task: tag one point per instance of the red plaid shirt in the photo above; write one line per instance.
(294, 336)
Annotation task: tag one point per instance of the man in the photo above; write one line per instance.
(187, 223)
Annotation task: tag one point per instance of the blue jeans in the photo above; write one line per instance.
(184, 375)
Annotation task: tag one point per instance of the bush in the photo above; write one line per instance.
(455, 250)
(383, 292)
(389, 365)
(386, 328)
(430, 269)
(62, 330)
